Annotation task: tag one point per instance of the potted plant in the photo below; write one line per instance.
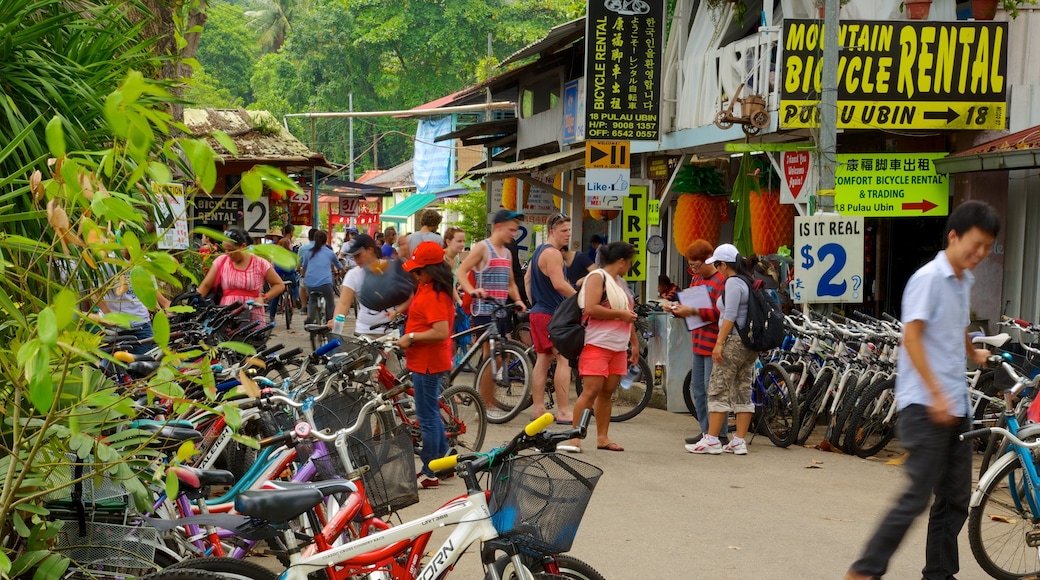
(917, 9)
(699, 208)
(987, 9)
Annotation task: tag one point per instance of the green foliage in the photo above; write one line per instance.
(473, 215)
(1011, 6)
(699, 179)
(227, 53)
(742, 186)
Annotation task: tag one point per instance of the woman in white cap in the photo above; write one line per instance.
(729, 388)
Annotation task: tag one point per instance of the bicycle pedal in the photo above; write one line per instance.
(1033, 538)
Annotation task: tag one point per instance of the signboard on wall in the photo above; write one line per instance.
(217, 212)
(171, 216)
(913, 74)
(891, 185)
(634, 230)
(300, 208)
(574, 111)
(624, 46)
(828, 260)
(256, 219)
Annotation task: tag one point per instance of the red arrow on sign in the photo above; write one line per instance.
(925, 206)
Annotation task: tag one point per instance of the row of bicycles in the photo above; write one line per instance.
(317, 459)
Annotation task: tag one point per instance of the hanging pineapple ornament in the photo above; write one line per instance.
(509, 193)
(772, 222)
(699, 207)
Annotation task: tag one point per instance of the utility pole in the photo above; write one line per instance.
(829, 106)
(350, 104)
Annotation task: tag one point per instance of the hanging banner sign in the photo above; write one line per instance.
(899, 75)
(574, 111)
(828, 259)
(624, 49)
(349, 206)
(634, 230)
(891, 185)
(300, 208)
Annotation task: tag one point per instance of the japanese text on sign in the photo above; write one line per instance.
(890, 185)
(624, 46)
(634, 231)
(828, 259)
(913, 74)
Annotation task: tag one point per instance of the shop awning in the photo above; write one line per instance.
(404, 210)
(557, 162)
(1019, 150)
(461, 188)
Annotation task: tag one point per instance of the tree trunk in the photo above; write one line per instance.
(161, 26)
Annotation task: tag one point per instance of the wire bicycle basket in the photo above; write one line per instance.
(537, 501)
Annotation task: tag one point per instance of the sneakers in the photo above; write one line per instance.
(697, 437)
(736, 447)
(703, 447)
(426, 482)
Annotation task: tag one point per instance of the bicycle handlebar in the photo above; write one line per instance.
(1000, 431)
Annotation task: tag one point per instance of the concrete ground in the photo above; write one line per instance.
(660, 512)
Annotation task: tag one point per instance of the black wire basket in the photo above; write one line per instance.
(382, 444)
(538, 500)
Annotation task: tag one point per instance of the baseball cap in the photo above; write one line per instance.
(504, 215)
(360, 243)
(352, 230)
(426, 254)
(725, 253)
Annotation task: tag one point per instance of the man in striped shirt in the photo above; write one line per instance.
(704, 338)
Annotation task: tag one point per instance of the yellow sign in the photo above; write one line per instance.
(891, 185)
(899, 75)
(608, 154)
(653, 212)
(634, 230)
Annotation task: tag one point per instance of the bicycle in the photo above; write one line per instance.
(537, 502)
(1004, 513)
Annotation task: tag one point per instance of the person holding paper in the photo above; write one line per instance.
(704, 337)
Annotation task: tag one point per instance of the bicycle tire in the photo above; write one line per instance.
(875, 379)
(997, 530)
(287, 305)
(568, 567)
(810, 411)
(184, 574)
(465, 419)
(846, 403)
(627, 403)
(512, 385)
(687, 394)
(231, 568)
(869, 432)
(779, 413)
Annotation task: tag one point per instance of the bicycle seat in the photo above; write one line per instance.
(996, 340)
(199, 478)
(142, 369)
(169, 437)
(325, 487)
(277, 505)
(316, 328)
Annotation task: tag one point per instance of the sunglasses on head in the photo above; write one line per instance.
(558, 219)
(235, 237)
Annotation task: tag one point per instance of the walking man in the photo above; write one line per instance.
(548, 287)
(932, 398)
(491, 263)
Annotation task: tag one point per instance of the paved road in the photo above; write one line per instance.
(660, 512)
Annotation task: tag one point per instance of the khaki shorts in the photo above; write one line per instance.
(729, 388)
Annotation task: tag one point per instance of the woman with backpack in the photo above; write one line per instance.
(609, 338)
(729, 388)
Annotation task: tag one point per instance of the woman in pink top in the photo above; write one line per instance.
(240, 275)
(609, 338)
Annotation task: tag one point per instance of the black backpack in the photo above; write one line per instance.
(567, 328)
(764, 329)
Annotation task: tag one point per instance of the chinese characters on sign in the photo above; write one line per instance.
(890, 185)
(899, 75)
(624, 44)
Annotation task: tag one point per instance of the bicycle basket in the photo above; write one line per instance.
(108, 549)
(539, 500)
(95, 492)
(382, 444)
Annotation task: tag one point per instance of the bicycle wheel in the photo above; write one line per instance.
(871, 426)
(629, 402)
(779, 411)
(465, 420)
(687, 393)
(566, 567)
(287, 306)
(810, 410)
(1002, 526)
(854, 384)
(186, 574)
(230, 568)
(510, 369)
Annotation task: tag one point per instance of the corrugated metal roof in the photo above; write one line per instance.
(556, 38)
(1027, 139)
(534, 163)
(402, 175)
(258, 136)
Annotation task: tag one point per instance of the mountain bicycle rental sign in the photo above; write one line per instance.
(828, 259)
(899, 75)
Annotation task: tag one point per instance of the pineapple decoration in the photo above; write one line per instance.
(699, 209)
(772, 222)
(509, 189)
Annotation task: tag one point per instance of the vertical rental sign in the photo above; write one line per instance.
(634, 229)
(624, 45)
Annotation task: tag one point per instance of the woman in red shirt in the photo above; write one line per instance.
(427, 344)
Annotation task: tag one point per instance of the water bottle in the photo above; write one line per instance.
(337, 325)
(630, 377)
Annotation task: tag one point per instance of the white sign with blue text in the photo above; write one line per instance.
(607, 182)
(828, 259)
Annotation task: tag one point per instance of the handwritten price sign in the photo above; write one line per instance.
(828, 259)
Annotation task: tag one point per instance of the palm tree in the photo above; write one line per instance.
(272, 22)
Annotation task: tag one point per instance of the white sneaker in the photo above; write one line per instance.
(736, 448)
(703, 447)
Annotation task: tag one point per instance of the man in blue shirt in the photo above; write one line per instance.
(932, 398)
